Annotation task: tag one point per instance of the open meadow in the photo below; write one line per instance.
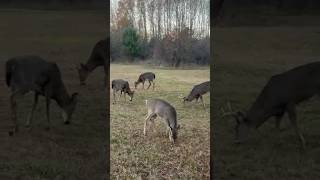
(75, 151)
(134, 156)
(245, 58)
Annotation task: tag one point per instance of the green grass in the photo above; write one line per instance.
(245, 59)
(134, 156)
(75, 151)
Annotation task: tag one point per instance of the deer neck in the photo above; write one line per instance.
(141, 79)
(256, 117)
(128, 91)
(91, 65)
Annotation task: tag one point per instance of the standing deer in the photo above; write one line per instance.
(123, 87)
(97, 58)
(281, 94)
(32, 73)
(197, 92)
(158, 107)
(150, 76)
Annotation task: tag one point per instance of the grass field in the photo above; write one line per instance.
(71, 152)
(134, 156)
(245, 58)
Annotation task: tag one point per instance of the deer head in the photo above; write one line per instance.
(131, 93)
(69, 108)
(242, 123)
(136, 84)
(173, 133)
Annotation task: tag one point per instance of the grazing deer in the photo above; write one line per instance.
(32, 73)
(280, 95)
(150, 76)
(97, 58)
(158, 107)
(197, 92)
(123, 87)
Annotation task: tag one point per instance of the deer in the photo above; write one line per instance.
(97, 58)
(160, 108)
(34, 74)
(122, 86)
(150, 76)
(197, 92)
(282, 93)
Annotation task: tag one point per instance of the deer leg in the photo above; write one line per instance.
(149, 85)
(120, 95)
(114, 96)
(170, 134)
(202, 102)
(153, 124)
(35, 103)
(293, 119)
(142, 84)
(149, 116)
(48, 111)
(153, 85)
(13, 103)
(169, 131)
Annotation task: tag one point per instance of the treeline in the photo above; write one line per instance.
(270, 7)
(163, 31)
(262, 12)
(280, 4)
(54, 3)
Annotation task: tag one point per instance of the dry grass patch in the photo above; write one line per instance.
(135, 156)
